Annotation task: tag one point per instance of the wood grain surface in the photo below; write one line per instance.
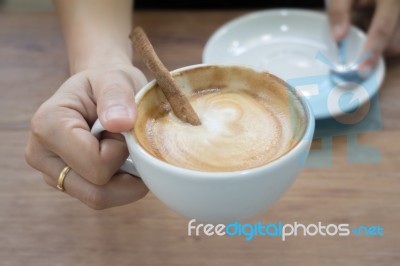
(41, 226)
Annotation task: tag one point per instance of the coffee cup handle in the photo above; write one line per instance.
(128, 166)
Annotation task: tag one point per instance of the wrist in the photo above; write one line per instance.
(99, 58)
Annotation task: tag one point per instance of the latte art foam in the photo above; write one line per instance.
(237, 132)
(244, 124)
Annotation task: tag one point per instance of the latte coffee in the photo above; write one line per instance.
(248, 119)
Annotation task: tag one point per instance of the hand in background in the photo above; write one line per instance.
(383, 33)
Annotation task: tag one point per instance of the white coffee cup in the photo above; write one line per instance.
(216, 196)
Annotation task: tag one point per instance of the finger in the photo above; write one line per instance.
(114, 93)
(393, 47)
(380, 31)
(363, 3)
(35, 153)
(122, 188)
(339, 17)
(392, 51)
(69, 137)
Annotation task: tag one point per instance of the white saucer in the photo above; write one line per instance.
(286, 42)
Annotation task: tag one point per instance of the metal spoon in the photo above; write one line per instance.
(348, 72)
(343, 72)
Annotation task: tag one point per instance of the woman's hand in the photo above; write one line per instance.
(61, 136)
(384, 31)
(102, 84)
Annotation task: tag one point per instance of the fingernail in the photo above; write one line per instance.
(337, 31)
(117, 111)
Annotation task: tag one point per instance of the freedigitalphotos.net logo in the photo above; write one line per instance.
(282, 230)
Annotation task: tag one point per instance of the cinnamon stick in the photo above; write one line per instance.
(179, 102)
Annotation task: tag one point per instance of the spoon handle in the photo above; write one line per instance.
(342, 46)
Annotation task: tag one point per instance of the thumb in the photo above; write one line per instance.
(339, 17)
(114, 92)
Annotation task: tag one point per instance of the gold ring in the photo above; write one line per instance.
(61, 178)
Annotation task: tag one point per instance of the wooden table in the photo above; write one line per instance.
(41, 226)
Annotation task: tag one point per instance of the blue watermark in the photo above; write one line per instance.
(349, 108)
(282, 230)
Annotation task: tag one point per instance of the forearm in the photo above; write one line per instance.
(96, 32)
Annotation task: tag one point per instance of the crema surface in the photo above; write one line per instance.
(242, 126)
